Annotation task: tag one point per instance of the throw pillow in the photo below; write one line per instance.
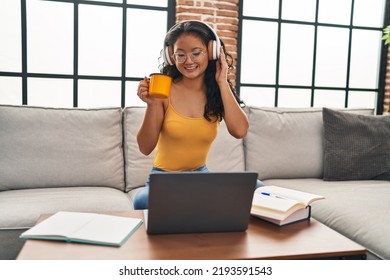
(356, 147)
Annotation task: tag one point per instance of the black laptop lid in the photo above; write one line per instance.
(184, 202)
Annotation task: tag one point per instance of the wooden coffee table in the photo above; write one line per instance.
(304, 240)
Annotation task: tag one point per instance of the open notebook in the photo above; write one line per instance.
(88, 228)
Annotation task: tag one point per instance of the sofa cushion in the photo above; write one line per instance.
(356, 147)
(137, 165)
(47, 147)
(226, 152)
(286, 142)
(357, 209)
(23, 207)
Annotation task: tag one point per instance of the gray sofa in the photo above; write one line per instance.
(55, 159)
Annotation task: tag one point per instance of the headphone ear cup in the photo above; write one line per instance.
(210, 50)
(213, 50)
(167, 53)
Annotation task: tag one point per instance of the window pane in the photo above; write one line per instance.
(97, 93)
(294, 97)
(100, 40)
(258, 96)
(11, 90)
(132, 98)
(50, 37)
(329, 98)
(50, 92)
(369, 13)
(10, 36)
(335, 11)
(258, 55)
(144, 44)
(296, 54)
(158, 3)
(302, 10)
(332, 57)
(365, 58)
(110, 1)
(362, 99)
(264, 8)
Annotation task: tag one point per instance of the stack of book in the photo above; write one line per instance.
(282, 206)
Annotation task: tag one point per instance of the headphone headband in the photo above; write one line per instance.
(212, 48)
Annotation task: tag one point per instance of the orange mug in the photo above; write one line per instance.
(160, 85)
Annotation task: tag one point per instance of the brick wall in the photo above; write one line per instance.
(386, 103)
(222, 15)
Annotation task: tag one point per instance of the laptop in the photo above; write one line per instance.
(189, 202)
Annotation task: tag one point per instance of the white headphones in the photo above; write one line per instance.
(213, 46)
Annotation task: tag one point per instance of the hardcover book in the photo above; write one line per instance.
(282, 206)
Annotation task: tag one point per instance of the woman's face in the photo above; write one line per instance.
(190, 55)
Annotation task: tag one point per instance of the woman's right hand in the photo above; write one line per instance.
(143, 91)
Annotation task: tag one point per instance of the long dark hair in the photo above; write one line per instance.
(214, 105)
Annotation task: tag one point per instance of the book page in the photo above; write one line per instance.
(107, 229)
(274, 203)
(61, 224)
(273, 207)
(304, 197)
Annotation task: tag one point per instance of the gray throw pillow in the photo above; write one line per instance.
(356, 147)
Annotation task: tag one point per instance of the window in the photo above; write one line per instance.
(79, 53)
(325, 54)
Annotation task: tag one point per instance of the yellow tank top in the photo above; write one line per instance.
(184, 142)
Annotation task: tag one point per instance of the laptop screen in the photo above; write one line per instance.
(182, 202)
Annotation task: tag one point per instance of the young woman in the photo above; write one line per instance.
(184, 125)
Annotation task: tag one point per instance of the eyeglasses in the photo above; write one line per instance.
(195, 56)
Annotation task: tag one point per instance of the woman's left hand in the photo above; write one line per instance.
(221, 73)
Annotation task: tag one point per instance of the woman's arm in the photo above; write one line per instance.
(149, 131)
(235, 118)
